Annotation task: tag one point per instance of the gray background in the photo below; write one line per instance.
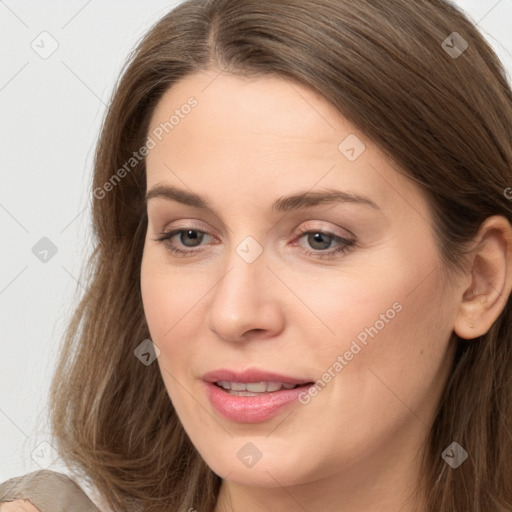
(51, 109)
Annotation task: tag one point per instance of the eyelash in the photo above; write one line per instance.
(346, 244)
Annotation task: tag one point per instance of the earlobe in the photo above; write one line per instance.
(485, 297)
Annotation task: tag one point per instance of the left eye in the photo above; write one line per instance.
(321, 240)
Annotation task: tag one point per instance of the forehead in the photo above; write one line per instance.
(262, 136)
(249, 112)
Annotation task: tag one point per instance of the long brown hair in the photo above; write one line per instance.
(444, 119)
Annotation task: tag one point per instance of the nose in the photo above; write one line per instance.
(245, 303)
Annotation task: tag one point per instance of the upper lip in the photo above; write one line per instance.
(251, 375)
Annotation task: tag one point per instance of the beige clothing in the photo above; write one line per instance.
(48, 491)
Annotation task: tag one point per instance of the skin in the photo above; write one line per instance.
(18, 506)
(248, 142)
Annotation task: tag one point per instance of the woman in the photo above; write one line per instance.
(299, 297)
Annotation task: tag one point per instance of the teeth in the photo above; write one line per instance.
(260, 387)
(253, 388)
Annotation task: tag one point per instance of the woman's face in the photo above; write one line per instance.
(277, 287)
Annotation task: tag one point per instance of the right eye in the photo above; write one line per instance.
(186, 236)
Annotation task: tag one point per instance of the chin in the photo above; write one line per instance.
(256, 461)
(273, 473)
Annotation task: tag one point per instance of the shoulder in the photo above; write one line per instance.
(48, 491)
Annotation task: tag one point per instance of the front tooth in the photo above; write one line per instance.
(238, 386)
(257, 387)
(274, 386)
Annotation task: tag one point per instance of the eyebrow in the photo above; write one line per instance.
(283, 204)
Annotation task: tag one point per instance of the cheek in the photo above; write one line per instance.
(164, 302)
(349, 305)
(393, 347)
(167, 304)
(395, 355)
(174, 303)
(385, 332)
(168, 296)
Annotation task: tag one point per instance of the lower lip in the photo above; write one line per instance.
(252, 409)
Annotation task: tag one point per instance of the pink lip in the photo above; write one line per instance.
(251, 409)
(251, 375)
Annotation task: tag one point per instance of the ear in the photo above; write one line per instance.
(490, 274)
